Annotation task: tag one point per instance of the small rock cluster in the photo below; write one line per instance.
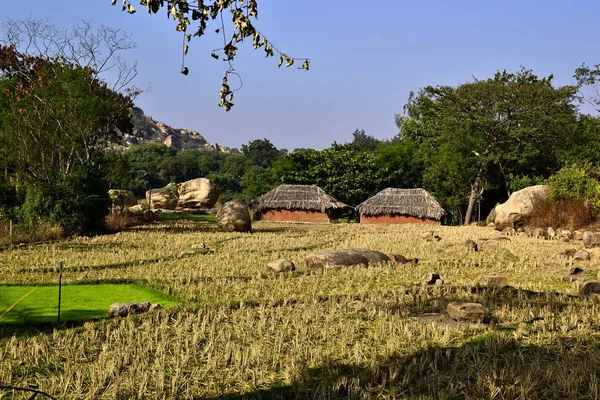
(125, 309)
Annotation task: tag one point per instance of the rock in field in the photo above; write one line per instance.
(164, 198)
(519, 205)
(496, 281)
(197, 193)
(470, 245)
(281, 265)
(578, 235)
(565, 234)
(539, 233)
(582, 255)
(551, 233)
(431, 278)
(400, 259)
(509, 231)
(587, 288)
(125, 309)
(460, 311)
(568, 253)
(588, 238)
(234, 217)
(347, 257)
(122, 198)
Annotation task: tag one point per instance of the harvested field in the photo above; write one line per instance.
(242, 331)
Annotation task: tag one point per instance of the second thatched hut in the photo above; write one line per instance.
(401, 206)
(298, 203)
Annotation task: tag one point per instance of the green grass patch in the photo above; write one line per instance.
(79, 302)
(183, 216)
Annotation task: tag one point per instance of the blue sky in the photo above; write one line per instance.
(366, 58)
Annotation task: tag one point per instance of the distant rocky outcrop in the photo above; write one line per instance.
(146, 129)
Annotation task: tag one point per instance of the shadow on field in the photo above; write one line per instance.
(492, 366)
(28, 329)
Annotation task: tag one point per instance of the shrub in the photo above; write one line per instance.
(24, 233)
(77, 203)
(576, 183)
(566, 213)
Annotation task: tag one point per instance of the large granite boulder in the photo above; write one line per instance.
(343, 258)
(197, 193)
(519, 205)
(234, 217)
(122, 198)
(165, 198)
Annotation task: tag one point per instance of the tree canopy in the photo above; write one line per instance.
(487, 132)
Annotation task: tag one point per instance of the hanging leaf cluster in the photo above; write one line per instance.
(201, 12)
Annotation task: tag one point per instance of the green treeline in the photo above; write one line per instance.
(478, 141)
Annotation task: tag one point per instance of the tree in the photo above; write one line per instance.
(485, 130)
(148, 166)
(56, 120)
(261, 152)
(203, 12)
(588, 83)
(347, 175)
(363, 142)
(100, 49)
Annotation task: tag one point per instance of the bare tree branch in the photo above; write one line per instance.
(100, 49)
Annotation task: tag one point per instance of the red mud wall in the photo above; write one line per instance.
(294, 216)
(395, 219)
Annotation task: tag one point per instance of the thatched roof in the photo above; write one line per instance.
(412, 202)
(296, 197)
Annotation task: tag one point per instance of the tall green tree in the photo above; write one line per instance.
(488, 130)
(348, 175)
(56, 120)
(261, 152)
(361, 141)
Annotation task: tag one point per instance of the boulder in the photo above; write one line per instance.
(491, 216)
(565, 234)
(125, 309)
(578, 235)
(539, 233)
(519, 205)
(431, 278)
(234, 217)
(581, 255)
(588, 238)
(400, 259)
(122, 198)
(197, 193)
(509, 231)
(281, 265)
(551, 233)
(496, 281)
(575, 270)
(568, 253)
(470, 245)
(347, 257)
(460, 311)
(587, 288)
(164, 198)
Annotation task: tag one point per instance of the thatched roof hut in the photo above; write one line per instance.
(416, 203)
(297, 197)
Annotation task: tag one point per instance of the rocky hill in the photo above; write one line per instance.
(146, 129)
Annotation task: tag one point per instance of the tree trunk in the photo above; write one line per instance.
(472, 199)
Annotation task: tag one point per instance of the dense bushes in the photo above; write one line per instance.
(576, 183)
